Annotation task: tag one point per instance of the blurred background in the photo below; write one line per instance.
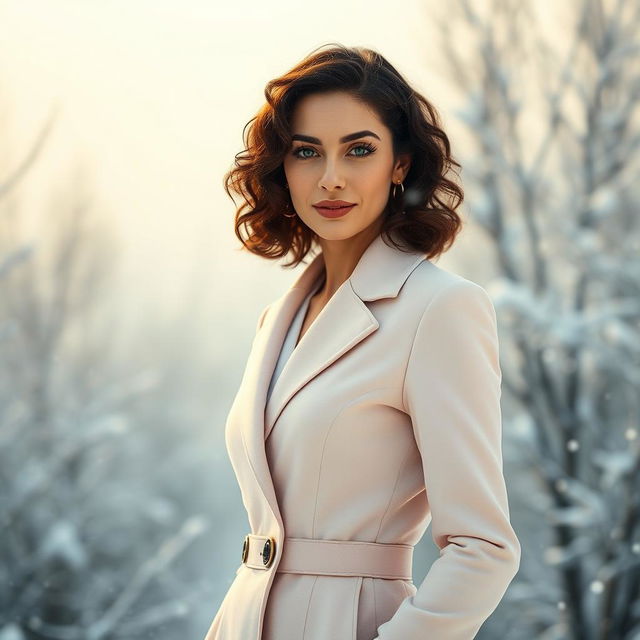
(127, 307)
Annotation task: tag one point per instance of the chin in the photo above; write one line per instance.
(338, 232)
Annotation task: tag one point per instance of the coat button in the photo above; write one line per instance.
(268, 552)
(245, 548)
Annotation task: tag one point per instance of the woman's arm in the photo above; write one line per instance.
(452, 392)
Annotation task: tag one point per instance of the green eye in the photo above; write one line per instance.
(300, 149)
(366, 146)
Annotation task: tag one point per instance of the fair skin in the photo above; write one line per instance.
(331, 169)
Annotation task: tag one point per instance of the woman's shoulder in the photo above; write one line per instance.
(429, 282)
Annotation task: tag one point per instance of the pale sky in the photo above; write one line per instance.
(151, 99)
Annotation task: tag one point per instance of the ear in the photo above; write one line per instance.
(401, 167)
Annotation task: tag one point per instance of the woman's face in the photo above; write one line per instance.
(323, 165)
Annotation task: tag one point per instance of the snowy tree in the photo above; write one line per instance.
(88, 542)
(550, 109)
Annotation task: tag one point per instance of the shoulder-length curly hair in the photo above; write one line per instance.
(430, 222)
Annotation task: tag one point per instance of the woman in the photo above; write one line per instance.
(370, 403)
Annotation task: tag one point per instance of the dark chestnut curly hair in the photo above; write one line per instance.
(430, 223)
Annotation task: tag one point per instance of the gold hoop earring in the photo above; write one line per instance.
(293, 215)
(395, 189)
(394, 193)
(286, 186)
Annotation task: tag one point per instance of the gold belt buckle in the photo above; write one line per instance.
(268, 550)
(245, 548)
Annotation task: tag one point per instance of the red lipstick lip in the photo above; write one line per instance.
(333, 203)
(333, 212)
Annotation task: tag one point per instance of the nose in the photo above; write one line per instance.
(330, 179)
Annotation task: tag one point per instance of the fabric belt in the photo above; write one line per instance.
(331, 557)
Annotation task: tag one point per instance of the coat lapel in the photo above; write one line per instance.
(344, 322)
(341, 325)
(259, 370)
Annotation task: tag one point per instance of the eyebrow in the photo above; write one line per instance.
(347, 138)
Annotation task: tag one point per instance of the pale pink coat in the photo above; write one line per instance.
(385, 418)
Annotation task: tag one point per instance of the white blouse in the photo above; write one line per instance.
(293, 332)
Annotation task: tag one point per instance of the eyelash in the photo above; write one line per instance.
(364, 145)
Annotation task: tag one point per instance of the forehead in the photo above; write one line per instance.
(329, 116)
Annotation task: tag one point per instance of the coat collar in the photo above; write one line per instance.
(343, 323)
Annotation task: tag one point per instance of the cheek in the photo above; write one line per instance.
(375, 183)
(373, 173)
(296, 174)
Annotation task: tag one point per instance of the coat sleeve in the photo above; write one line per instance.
(452, 393)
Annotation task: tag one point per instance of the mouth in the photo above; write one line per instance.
(334, 212)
